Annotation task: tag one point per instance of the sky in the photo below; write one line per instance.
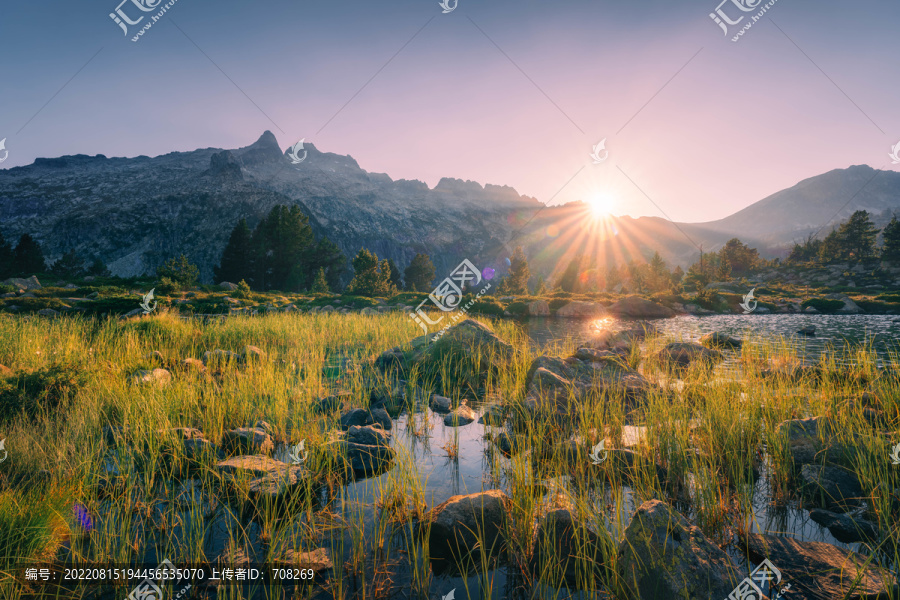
(696, 126)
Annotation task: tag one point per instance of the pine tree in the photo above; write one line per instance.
(723, 270)
(99, 269)
(541, 287)
(320, 285)
(28, 258)
(857, 236)
(6, 258)
(519, 273)
(69, 266)
(371, 277)
(419, 275)
(891, 249)
(740, 257)
(237, 258)
(328, 256)
(283, 243)
(396, 280)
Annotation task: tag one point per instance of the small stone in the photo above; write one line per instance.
(160, 377)
(462, 415)
(245, 440)
(356, 417)
(440, 404)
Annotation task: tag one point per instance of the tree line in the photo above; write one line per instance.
(854, 240)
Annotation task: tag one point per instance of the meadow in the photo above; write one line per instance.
(98, 471)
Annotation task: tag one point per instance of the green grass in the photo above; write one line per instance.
(709, 437)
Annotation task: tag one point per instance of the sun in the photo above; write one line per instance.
(601, 205)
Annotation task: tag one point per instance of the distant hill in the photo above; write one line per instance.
(134, 213)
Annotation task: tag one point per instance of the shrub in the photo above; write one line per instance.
(167, 286)
(43, 392)
(180, 271)
(243, 290)
(708, 299)
(558, 303)
(5, 289)
(518, 309)
(484, 305)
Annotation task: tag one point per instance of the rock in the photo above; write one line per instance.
(188, 445)
(831, 486)
(252, 354)
(329, 404)
(810, 310)
(538, 308)
(270, 479)
(508, 444)
(356, 417)
(250, 466)
(160, 377)
(22, 285)
(247, 440)
(134, 313)
(664, 556)
(382, 418)
(367, 460)
(440, 404)
(819, 571)
(809, 441)
(48, 312)
(227, 285)
(220, 357)
(682, 355)
(718, 340)
(845, 527)
(850, 307)
(461, 415)
(368, 311)
(193, 365)
(562, 540)
(809, 331)
(368, 436)
(326, 309)
(580, 310)
(622, 341)
(495, 416)
(636, 307)
(468, 525)
(318, 560)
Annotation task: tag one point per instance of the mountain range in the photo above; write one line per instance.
(135, 213)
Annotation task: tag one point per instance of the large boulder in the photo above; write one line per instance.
(831, 487)
(683, 355)
(811, 441)
(849, 308)
(468, 525)
(819, 571)
(23, 285)
(227, 285)
(463, 341)
(247, 440)
(538, 308)
(664, 556)
(581, 310)
(845, 527)
(561, 540)
(635, 307)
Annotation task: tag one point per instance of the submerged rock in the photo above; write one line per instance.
(468, 525)
(809, 331)
(561, 539)
(810, 441)
(664, 556)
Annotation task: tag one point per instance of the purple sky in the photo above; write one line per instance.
(736, 123)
